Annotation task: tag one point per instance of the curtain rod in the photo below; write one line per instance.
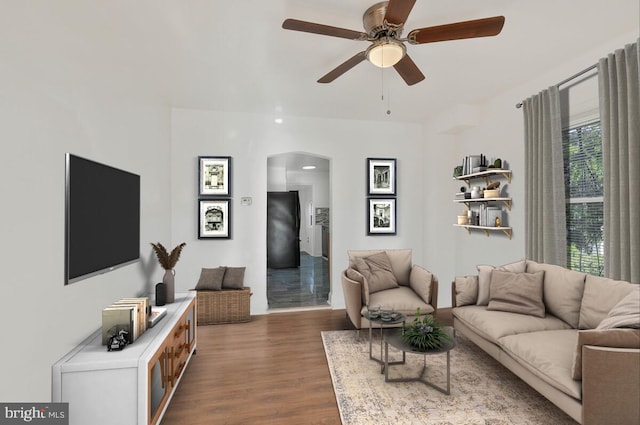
(566, 80)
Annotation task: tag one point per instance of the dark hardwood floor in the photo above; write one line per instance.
(272, 370)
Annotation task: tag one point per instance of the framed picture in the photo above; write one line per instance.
(214, 175)
(381, 176)
(382, 216)
(214, 218)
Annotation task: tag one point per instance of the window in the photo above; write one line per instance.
(584, 198)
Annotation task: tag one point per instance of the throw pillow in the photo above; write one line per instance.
(377, 272)
(210, 279)
(601, 294)
(616, 338)
(625, 314)
(563, 289)
(484, 277)
(466, 290)
(420, 283)
(233, 278)
(517, 292)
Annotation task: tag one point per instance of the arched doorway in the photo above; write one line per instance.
(298, 231)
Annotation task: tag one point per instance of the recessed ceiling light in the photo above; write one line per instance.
(309, 167)
(278, 120)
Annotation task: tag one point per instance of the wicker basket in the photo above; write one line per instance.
(225, 306)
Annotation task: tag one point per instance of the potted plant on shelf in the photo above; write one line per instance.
(424, 334)
(168, 261)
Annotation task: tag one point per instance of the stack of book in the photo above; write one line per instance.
(128, 314)
(474, 164)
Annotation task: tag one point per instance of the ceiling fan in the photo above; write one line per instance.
(383, 23)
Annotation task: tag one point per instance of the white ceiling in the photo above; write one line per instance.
(233, 55)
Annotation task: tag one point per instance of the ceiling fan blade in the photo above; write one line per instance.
(312, 27)
(343, 67)
(398, 11)
(468, 29)
(409, 71)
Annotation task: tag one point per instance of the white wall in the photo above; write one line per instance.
(496, 131)
(59, 94)
(70, 86)
(250, 139)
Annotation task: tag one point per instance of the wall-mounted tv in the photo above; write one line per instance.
(102, 218)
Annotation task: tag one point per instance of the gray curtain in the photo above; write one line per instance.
(545, 219)
(619, 87)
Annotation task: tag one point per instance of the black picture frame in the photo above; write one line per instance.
(381, 176)
(381, 217)
(214, 176)
(214, 219)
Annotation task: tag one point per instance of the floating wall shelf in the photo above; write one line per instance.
(486, 229)
(486, 175)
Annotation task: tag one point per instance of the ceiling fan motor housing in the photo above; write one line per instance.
(374, 23)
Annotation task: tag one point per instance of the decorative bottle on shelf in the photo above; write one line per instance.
(161, 294)
(475, 192)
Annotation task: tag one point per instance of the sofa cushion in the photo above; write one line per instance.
(625, 314)
(484, 277)
(466, 290)
(211, 279)
(600, 295)
(401, 299)
(548, 355)
(420, 282)
(516, 292)
(233, 278)
(400, 261)
(617, 338)
(377, 272)
(563, 289)
(493, 325)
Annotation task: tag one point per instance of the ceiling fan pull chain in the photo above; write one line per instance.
(382, 84)
(382, 92)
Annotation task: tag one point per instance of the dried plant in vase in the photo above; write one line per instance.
(168, 261)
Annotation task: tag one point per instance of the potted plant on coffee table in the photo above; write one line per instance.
(425, 333)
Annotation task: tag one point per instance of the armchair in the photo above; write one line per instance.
(387, 278)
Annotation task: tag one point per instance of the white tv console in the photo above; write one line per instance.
(132, 386)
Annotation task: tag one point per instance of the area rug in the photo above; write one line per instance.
(482, 391)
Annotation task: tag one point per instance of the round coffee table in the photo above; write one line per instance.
(395, 340)
(394, 320)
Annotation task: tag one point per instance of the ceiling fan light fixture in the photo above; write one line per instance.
(386, 53)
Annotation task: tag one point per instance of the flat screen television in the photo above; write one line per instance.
(102, 218)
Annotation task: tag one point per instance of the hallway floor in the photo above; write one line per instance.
(305, 286)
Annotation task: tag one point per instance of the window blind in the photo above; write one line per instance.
(584, 198)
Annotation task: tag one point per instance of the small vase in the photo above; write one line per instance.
(169, 281)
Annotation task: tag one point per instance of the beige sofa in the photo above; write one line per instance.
(387, 278)
(572, 337)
